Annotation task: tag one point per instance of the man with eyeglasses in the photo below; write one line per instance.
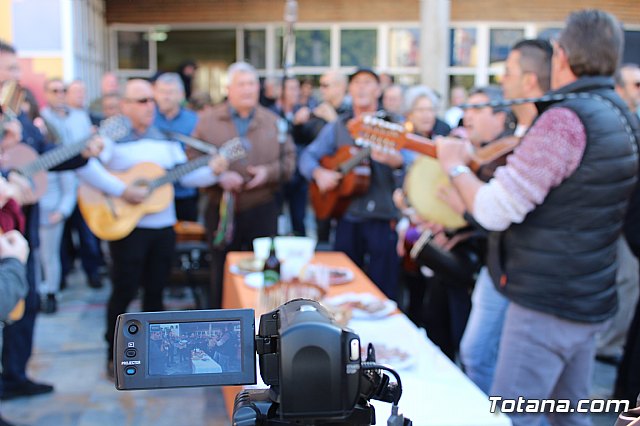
(68, 125)
(333, 89)
(628, 85)
(556, 210)
(18, 337)
(144, 257)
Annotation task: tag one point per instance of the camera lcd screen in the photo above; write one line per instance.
(194, 348)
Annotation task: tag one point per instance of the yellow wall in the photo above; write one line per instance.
(6, 28)
(50, 67)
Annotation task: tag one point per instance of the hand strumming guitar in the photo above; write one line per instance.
(94, 147)
(259, 176)
(7, 191)
(450, 195)
(12, 134)
(135, 193)
(326, 112)
(326, 179)
(231, 181)
(218, 164)
(13, 244)
(24, 194)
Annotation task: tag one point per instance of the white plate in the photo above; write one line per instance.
(254, 280)
(381, 308)
(337, 275)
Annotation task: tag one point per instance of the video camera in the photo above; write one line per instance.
(313, 366)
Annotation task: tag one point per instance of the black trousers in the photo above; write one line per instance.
(143, 259)
(187, 208)
(18, 336)
(260, 221)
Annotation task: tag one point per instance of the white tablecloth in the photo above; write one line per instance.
(205, 365)
(435, 391)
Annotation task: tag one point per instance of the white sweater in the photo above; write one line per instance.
(150, 147)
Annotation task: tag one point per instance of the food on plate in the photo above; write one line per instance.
(321, 274)
(386, 354)
(251, 264)
(368, 306)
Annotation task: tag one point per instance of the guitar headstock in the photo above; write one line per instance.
(233, 150)
(11, 98)
(116, 127)
(378, 133)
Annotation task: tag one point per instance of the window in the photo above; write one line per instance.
(500, 43)
(312, 48)
(631, 43)
(463, 47)
(404, 47)
(466, 81)
(358, 48)
(255, 51)
(209, 48)
(133, 50)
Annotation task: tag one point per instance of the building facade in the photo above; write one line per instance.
(82, 38)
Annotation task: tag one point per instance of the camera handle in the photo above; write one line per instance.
(256, 407)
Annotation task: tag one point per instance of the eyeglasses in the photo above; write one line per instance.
(58, 91)
(141, 101)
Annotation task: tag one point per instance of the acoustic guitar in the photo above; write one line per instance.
(112, 218)
(425, 176)
(17, 312)
(352, 162)
(26, 161)
(369, 131)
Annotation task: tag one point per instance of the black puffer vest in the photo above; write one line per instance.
(562, 258)
(377, 203)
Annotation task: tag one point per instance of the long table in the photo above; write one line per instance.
(435, 391)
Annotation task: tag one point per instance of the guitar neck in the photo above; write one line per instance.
(420, 144)
(176, 173)
(348, 165)
(53, 158)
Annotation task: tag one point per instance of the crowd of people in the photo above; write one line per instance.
(541, 278)
(173, 348)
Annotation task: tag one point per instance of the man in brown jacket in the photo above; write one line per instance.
(243, 206)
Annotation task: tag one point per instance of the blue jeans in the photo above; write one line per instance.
(545, 357)
(481, 339)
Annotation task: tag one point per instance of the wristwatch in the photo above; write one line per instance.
(458, 170)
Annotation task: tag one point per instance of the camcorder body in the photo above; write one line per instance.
(313, 366)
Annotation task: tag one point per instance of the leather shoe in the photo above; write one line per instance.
(49, 304)
(95, 282)
(110, 372)
(609, 359)
(27, 388)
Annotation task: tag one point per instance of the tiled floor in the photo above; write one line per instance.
(70, 353)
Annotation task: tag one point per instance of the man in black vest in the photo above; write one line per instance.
(556, 210)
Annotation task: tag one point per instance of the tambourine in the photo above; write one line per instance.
(422, 182)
